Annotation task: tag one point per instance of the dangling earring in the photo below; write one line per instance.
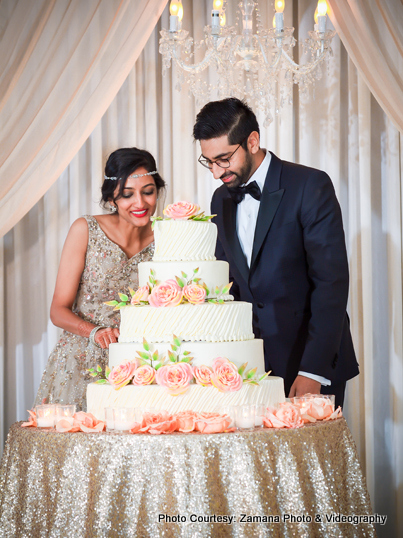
(112, 208)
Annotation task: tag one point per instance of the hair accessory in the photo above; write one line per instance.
(133, 175)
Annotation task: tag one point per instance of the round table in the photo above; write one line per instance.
(268, 482)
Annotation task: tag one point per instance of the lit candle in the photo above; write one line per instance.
(176, 11)
(322, 9)
(215, 21)
(65, 412)
(245, 417)
(124, 418)
(45, 416)
(279, 16)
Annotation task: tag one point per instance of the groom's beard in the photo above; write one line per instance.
(241, 177)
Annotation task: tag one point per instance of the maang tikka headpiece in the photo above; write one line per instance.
(132, 175)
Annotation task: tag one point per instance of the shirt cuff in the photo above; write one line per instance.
(322, 380)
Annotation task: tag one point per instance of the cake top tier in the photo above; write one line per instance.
(185, 234)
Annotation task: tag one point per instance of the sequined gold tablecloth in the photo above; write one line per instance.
(104, 485)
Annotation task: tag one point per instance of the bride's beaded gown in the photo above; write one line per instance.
(107, 271)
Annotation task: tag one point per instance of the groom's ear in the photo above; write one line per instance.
(254, 142)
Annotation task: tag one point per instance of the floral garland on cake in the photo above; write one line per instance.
(175, 372)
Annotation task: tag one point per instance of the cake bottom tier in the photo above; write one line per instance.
(250, 351)
(196, 398)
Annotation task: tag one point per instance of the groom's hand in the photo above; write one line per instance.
(303, 385)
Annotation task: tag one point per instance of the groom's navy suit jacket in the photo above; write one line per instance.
(298, 277)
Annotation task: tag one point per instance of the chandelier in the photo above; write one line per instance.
(253, 65)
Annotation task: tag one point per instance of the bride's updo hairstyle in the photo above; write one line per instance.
(120, 165)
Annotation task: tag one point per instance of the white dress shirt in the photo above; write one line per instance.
(246, 217)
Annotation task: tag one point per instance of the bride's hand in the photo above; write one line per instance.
(106, 336)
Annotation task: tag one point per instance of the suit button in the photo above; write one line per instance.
(260, 305)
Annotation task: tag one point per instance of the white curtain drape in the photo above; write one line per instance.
(372, 32)
(341, 129)
(61, 64)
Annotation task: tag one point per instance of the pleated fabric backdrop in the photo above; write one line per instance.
(342, 130)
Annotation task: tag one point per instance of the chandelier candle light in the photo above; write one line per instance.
(257, 67)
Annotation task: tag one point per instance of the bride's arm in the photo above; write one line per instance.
(68, 279)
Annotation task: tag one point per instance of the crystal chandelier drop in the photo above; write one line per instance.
(257, 67)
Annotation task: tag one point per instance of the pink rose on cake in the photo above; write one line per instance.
(122, 375)
(225, 376)
(202, 374)
(175, 377)
(194, 293)
(169, 293)
(156, 423)
(212, 423)
(143, 375)
(186, 421)
(181, 210)
(286, 415)
(140, 295)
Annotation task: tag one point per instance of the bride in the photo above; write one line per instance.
(100, 259)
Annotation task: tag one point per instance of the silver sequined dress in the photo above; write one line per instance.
(107, 271)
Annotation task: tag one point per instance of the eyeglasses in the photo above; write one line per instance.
(221, 162)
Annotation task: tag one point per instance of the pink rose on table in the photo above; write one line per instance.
(169, 293)
(202, 374)
(318, 408)
(181, 210)
(122, 375)
(175, 377)
(143, 375)
(156, 423)
(186, 421)
(194, 293)
(212, 423)
(87, 422)
(140, 295)
(336, 414)
(225, 376)
(31, 420)
(286, 416)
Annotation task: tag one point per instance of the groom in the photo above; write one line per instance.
(280, 229)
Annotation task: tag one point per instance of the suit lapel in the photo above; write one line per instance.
(229, 220)
(269, 202)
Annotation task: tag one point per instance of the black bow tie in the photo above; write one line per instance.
(238, 193)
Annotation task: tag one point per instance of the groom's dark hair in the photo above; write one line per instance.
(231, 117)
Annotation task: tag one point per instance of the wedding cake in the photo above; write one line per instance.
(184, 343)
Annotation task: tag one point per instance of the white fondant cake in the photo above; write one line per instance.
(184, 240)
(191, 322)
(184, 249)
(213, 274)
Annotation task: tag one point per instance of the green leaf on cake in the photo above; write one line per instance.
(251, 373)
(172, 356)
(132, 292)
(157, 366)
(155, 355)
(99, 368)
(101, 381)
(146, 345)
(186, 353)
(111, 303)
(107, 371)
(152, 272)
(196, 270)
(184, 275)
(123, 297)
(180, 282)
(226, 289)
(264, 376)
(206, 288)
(251, 382)
(177, 341)
(241, 369)
(185, 359)
(174, 348)
(196, 280)
(93, 374)
(217, 290)
(143, 355)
